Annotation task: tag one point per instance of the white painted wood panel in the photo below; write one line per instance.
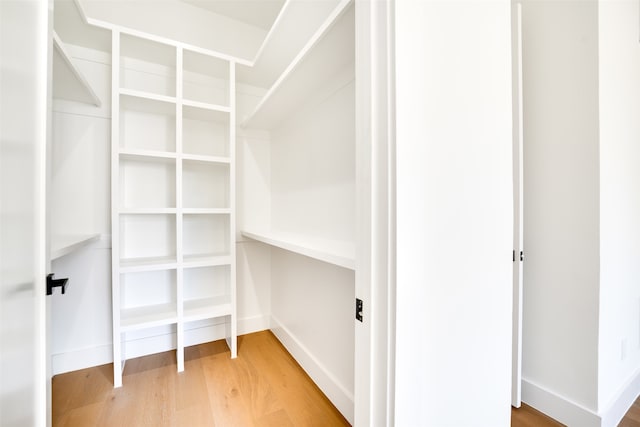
(454, 213)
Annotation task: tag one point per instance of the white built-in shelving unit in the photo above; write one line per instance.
(173, 184)
(324, 60)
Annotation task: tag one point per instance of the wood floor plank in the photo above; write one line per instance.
(632, 418)
(225, 395)
(526, 416)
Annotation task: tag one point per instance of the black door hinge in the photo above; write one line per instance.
(359, 309)
(55, 283)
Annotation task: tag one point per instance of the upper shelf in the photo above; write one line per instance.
(68, 82)
(330, 49)
(295, 24)
(330, 251)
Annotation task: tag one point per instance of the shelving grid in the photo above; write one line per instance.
(173, 189)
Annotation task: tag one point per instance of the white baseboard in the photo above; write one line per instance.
(330, 386)
(613, 414)
(558, 407)
(81, 359)
(103, 354)
(572, 414)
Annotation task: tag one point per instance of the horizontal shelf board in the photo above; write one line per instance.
(147, 211)
(193, 108)
(138, 95)
(62, 245)
(193, 261)
(170, 211)
(335, 252)
(147, 316)
(207, 308)
(330, 50)
(130, 265)
(206, 159)
(206, 211)
(137, 154)
(68, 81)
(294, 26)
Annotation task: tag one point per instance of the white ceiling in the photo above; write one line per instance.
(259, 13)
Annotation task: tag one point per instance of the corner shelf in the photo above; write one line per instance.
(68, 81)
(335, 252)
(293, 26)
(319, 57)
(62, 245)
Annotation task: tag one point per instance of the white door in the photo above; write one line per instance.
(24, 77)
(518, 248)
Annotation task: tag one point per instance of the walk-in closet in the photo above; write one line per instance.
(203, 182)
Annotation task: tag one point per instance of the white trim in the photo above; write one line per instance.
(558, 407)
(518, 207)
(619, 406)
(325, 380)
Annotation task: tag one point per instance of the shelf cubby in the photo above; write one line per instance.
(206, 292)
(147, 66)
(205, 79)
(148, 298)
(205, 184)
(147, 239)
(147, 124)
(205, 236)
(147, 182)
(205, 132)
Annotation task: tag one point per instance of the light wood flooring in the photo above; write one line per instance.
(264, 386)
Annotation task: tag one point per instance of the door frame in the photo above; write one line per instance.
(375, 233)
(518, 202)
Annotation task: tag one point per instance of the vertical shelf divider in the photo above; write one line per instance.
(232, 333)
(115, 207)
(179, 213)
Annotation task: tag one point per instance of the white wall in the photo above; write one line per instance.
(561, 202)
(619, 91)
(313, 165)
(454, 213)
